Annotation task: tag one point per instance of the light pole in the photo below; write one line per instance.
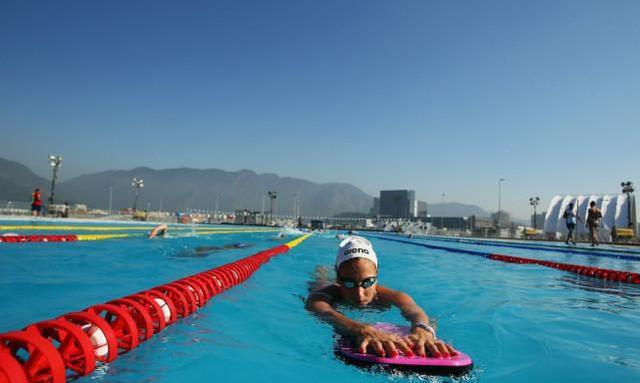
(110, 198)
(627, 187)
(442, 213)
(54, 162)
(137, 184)
(272, 196)
(500, 181)
(534, 201)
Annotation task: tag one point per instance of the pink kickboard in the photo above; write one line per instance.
(461, 360)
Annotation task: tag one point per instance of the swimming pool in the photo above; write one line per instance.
(520, 323)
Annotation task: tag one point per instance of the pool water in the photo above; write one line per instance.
(520, 323)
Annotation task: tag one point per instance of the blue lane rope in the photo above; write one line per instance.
(597, 253)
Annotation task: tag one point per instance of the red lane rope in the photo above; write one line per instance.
(74, 343)
(595, 272)
(38, 238)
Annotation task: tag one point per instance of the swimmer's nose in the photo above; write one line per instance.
(361, 294)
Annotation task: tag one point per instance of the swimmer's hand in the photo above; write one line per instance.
(424, 342)
(368, 339)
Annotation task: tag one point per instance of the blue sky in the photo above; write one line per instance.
(439, 97)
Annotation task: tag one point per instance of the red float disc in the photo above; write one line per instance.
(102, 337)
(39, 359)
(71, 342)
(178, 299)
(201, 292)
(189, 294)
(122, 324)
(140, 315)
(158, 318)
(10, 369)
(208, 284)
(165, 302)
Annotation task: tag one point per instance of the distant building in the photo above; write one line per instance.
(537, 221)
(248, 217)
(482, 227)
(422, 209)
(375, 210)
(398, 203)
(501, 219)
(451, 223)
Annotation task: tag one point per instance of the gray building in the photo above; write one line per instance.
(422, 209)
(398, 203)
(375, 210)
(537, 221)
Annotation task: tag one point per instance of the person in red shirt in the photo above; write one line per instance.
(36, 203)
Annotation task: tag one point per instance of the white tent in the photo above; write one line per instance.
(615, 213)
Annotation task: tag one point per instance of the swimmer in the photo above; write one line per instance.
(159, 231)
(202, 250)
(357, 276)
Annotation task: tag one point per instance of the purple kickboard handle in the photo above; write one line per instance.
(459, 360)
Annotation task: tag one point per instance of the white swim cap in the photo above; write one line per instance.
(355, 247)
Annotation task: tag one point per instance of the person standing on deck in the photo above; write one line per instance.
(593, 220)
(570, 218)
(36, 203)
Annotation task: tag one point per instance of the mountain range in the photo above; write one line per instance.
(183, 188)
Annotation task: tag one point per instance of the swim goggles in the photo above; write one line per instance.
(365, 283)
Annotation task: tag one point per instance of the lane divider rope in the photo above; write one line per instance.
(95, 237)
(72, 344)
(120, 228)
(594, 272)
(629, 255)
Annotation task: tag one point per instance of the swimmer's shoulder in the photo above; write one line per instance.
(389, 296)
(328, 293)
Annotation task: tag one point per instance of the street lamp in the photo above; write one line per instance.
(500, 181)
(54, 162)
(534, 201)
(627, 187)
(272, 196)
(442, 213)
(137, 184)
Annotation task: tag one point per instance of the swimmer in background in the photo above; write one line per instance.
(205, 250)
(357, 276)
(159, 231)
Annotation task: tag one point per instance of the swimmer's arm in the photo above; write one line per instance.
(423, 341)
(320, 303)
(408, 307)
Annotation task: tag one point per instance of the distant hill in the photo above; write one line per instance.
(455, 209)
(17, 182)
(183, 188)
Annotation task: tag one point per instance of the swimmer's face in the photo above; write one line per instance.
(358, 272)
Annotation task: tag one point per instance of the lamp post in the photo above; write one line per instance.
(534, 201)
(272, 196)
(627, 188)
(110, 198)
(54, 162)
(137, 184)
(500, 181)
(442, 213)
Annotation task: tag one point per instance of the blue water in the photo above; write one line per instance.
(520, 323)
